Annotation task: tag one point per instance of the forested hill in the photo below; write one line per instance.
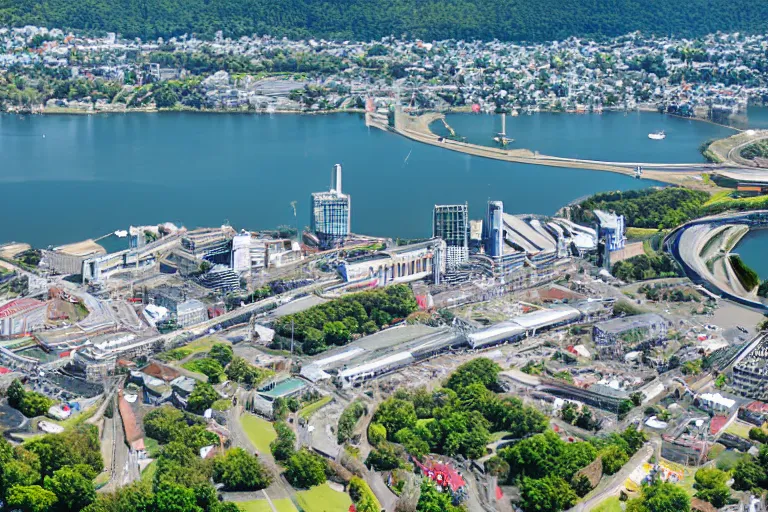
(517, 20)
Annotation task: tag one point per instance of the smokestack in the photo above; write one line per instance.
(336, 179)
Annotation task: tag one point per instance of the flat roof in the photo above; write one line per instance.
(376, 365)
(283, 388)
(526, 236)
(630, 322)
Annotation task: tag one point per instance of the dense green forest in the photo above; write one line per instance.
(521, 20)
(661, 208)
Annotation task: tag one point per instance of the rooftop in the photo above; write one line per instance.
(19, 306)
(618, 325)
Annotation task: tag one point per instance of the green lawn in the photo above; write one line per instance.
(739, 429)
(312, 408)
(197, 346)
(223, 404)
(284, 505)
(152, 446)
(259, 431)
(611, 504)
(148, 475)
(322, 498)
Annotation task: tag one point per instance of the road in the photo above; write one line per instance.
(615, 483)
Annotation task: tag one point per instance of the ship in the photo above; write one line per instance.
(657, 135)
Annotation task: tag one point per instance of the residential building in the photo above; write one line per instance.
(191, 312)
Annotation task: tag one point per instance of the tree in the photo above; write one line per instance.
(383, 458)
(222, 353)
(362, 496)
(202, 397)
(498, 467)
(711, 486)
(569, 412)
(413, 444)
(377, 433)
(660, 497)
(240, 471)
(431, 500)
(613, 458)
(15, 394)
(348, 419)
(480, 370)
(550, 494)
(395, 414)
(581, 485)
(30, 498)
(748, 475)
(336, 333)
(624, 407)
(175, 498)
(74, 490)
(306, 469)
(284, 445)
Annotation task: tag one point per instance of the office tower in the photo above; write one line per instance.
(451, 223)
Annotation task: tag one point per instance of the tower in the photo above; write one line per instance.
(451, 223)
(494, 231)
(331, 213)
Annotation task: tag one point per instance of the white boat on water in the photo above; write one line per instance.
(657, 135)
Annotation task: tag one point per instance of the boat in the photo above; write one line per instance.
(657, 135)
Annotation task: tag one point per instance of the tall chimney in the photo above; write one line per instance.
(336, 179)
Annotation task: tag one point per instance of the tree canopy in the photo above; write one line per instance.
(526, 20)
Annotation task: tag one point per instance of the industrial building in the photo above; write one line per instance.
(397, 265)
(523, 326)
(616, 337)
(68, 259)
(331, 213)
(750, 372)
(451, 223)
(21, 316)
(241, 253)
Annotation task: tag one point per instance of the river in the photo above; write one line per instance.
(67, 178)
(611, 136)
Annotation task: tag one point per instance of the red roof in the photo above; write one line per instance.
(757, 406)
(18, 306)
(132, 430)
(4, 370)
(717, 423)
(442, 474)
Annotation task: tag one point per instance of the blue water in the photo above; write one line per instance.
(611, 136)
(757, 117)
(91, 175)
(753, 249)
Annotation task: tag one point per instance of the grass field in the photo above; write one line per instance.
(284, 505)
(149, 472)
(312, 408)
(322, 498)
(152, 446)
(728, 459)
(76, 419)
(611, 504)
(739, 428)
(222, 405)
(197, 346)
(259, 431)
(636, 233)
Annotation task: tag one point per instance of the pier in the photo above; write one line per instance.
(685, 174)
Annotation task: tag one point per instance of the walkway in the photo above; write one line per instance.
(687, 174)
